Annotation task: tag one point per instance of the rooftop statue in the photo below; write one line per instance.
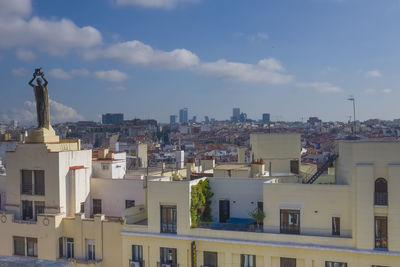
(42, 99)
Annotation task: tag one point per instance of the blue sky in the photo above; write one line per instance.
(149, 58)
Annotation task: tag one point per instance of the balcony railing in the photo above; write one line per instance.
(136, 263)
(381, 243)
(159, 264)
(381, 198)
(27, 189)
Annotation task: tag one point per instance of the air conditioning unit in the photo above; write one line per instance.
(135, 264)
(165, 265)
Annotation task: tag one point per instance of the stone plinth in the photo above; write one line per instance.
(42, 135)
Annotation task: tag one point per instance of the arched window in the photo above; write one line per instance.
(381, 195)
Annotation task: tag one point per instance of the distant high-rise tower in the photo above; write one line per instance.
(265, 118)
(183, 115)
(112, 118)
(235, 114)
(172, 119)
(206, 119)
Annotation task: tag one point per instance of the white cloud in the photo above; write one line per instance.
(58, 113)
(387, 91)
(79, 72)
(52, 36)
(266, 71)
(110, 75)
(262, 35)
(136, 52)
(321, 87)
(19, 72)
(25, 55)
(166, 4)
(15, 8)
(373, 74)
(59, 74)
(62, 113)
(116, 89)
(370, 91)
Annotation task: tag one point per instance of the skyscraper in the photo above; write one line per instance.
(183, 115)
(172, 119)
(235, 114)
(265, 118)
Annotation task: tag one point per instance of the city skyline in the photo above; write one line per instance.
(197, 54)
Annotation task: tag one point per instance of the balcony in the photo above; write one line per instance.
(381, 198)
(159, 264)
(136, 263)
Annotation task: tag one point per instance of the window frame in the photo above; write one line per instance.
(90, 250)
(285, 216)
(243, 258)
(170, 223)
(206, 260)
(335, 264)
(96, 207)
(137, 253)
(336, 226)
(381, 239)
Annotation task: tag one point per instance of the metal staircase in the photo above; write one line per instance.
(323, 168)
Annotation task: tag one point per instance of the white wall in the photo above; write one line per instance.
(114, 192)
(240, 192)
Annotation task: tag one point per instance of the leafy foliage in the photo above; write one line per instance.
(200, 208)
(258, 215)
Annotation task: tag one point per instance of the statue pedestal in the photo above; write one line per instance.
(42, 135)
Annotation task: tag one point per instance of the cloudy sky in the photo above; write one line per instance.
(149, 58)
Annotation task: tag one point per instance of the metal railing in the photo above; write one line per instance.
(159, 264)
(381, 198)
(136, 263)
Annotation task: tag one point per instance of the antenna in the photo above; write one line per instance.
(351, 98)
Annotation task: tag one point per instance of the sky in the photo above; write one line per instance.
(150, 58)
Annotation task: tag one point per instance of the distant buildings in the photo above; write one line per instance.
(235, 114)
(112, 118)
(172, 119)
(313, 120)
(183, 115)
(265, 118)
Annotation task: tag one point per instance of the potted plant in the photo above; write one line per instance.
(258, 215)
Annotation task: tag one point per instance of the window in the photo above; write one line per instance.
(381, 195)
(31, 247)
(39, 182)
(32, 182)
(39, 208)
(294, 166)
(224, 210)
(137, 253)
(82, 210)
(335, 264)
(129, 203)
(90, 250)
(69, 253)
(247, 260)
(381, 240)
(168, 256)
(168, 219)
(19, 246)
(288, 262)
(27, 210)
(96, 206)
(26, 182)
(66, 247)
(335, 225)
(210, 259)
(290, 221)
